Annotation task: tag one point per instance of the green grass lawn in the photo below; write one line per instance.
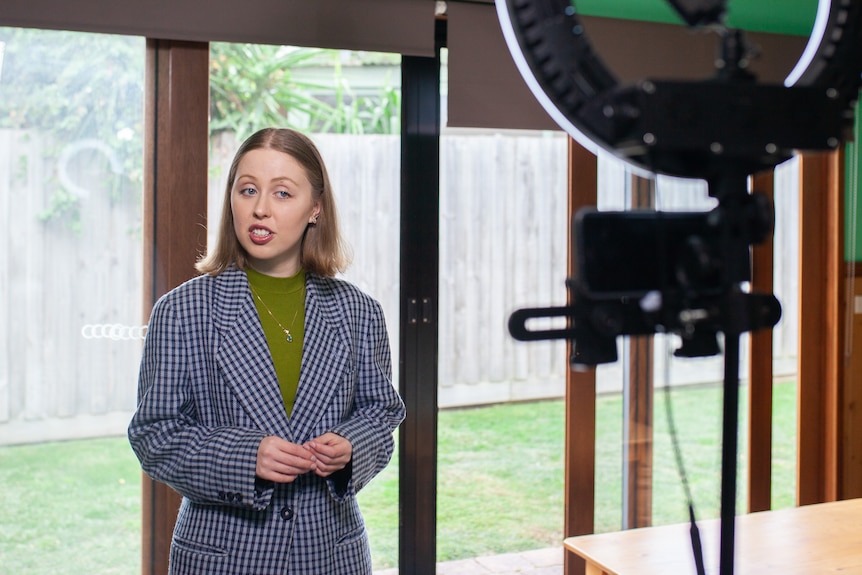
(500, 472)
(74, 507)
(70, 508)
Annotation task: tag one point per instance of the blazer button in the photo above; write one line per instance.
(286, 513)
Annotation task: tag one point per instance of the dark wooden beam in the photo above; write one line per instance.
(420, 264)
(175, 207)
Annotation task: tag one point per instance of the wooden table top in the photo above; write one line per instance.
(809, 540)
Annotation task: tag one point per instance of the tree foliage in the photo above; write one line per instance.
(90, 88)
(253, 86)
(86, 91)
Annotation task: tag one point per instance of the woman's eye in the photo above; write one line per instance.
(247, 191)
(282, 194)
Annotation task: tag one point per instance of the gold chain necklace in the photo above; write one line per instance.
(284, 329)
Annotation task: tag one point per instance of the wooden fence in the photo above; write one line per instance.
(58, 275)
(70, 296)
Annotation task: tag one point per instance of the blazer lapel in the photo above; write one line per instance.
(243, 355)
(325, 358)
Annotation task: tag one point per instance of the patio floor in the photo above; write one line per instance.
(536, 562)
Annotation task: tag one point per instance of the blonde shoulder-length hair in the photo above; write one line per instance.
(323, 251)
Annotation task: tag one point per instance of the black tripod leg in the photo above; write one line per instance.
(728, 452)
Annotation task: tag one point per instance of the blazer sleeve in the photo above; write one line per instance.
(377, 410)
(207, 464)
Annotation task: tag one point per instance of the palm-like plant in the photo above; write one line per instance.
(254, 85)
(257, 85)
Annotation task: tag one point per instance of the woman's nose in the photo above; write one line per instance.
(261, 206)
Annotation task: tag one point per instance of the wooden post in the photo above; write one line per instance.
(580, 483)
(175, 207)
(820, 326)
(851, 447)
(638, 424)
(760, 372)
(851, 393)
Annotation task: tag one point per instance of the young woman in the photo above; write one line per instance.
(265, 393)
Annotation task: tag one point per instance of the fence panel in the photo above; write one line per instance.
(64, 372)
(58, 274)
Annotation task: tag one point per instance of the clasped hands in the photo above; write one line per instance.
(281, 461)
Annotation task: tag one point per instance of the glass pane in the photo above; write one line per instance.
(71, 160)
(503, 230)
(349, 104)
(687, 392)
(692, 389)
(785, 335)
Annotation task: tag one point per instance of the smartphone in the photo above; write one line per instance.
(630, 253)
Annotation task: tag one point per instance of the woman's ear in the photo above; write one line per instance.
(315, 213)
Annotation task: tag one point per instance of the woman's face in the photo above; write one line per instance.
(272, 203)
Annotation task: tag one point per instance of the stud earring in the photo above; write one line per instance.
(313, 220)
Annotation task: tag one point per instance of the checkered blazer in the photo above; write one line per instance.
(207, 396)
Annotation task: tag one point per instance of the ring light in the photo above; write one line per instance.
(689, 129)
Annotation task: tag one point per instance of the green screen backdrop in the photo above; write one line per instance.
(853, 197)
(777, 16)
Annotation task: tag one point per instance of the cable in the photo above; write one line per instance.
(696, 545)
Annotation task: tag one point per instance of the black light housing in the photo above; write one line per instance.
(690, 129)
(700, 12)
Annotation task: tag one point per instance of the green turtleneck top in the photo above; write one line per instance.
(280, 304)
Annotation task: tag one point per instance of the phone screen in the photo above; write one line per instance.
(631, 253)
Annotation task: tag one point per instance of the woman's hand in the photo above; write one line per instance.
(331, 452)
(281, 461)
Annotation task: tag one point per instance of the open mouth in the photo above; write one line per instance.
(260, 235)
